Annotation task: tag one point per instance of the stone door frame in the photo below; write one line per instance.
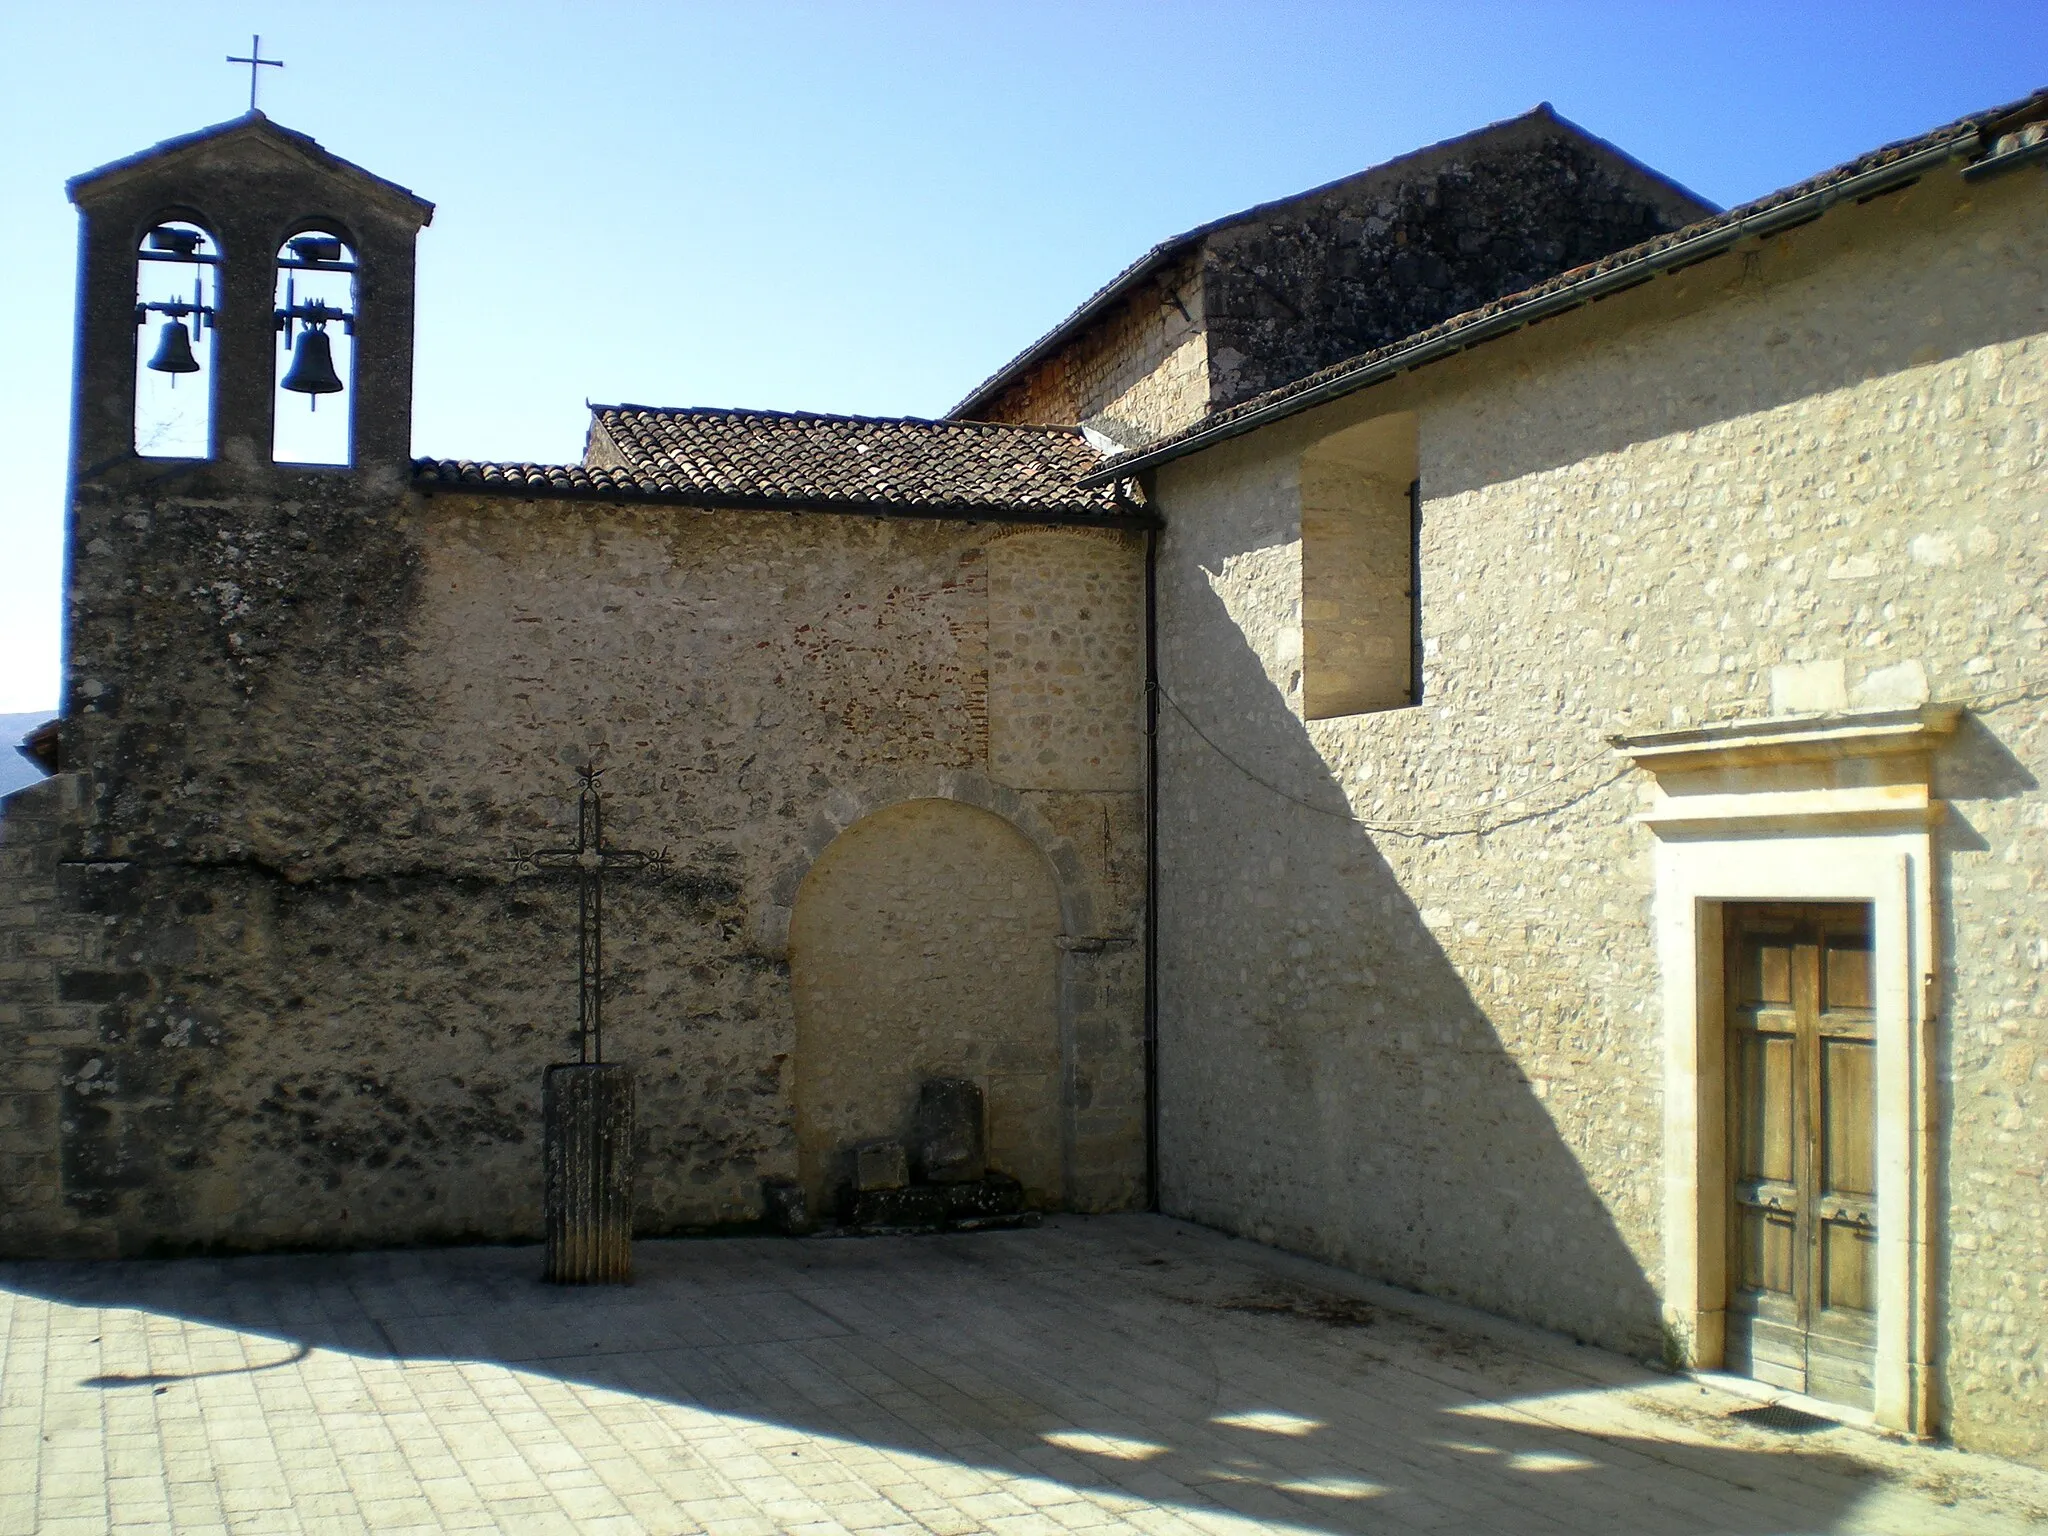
(1832, 808)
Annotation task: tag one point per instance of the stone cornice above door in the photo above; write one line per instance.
(1865, 770)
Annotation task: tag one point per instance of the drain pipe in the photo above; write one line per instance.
(1152, 869)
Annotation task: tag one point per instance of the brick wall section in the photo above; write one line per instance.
(1138, 373)
(1436, 1055)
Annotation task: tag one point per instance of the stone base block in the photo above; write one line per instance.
(932, 1207)
(587, 1157)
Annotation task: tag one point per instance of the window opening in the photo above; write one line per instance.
(1360, 576)
(316, 323)
(177, 291)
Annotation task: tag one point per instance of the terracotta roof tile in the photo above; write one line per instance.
(789, 459)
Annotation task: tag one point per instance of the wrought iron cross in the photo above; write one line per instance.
(255, 61)
(591, 858)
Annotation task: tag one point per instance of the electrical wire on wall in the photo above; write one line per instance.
(1522, 812)
(1420, 830)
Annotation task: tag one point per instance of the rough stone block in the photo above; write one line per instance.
(587, 1154)
(879, 1165)
(918, 1206)
(933, 1207)
(784, 1207)
(950, 1131)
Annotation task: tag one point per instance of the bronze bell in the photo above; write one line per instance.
(312, 370)
(174, 350)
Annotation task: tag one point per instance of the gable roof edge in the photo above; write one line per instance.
(251, 121)
(1167, 250)
(1474, 328)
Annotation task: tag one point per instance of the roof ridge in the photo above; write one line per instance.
(1004, 497)
(760, 413)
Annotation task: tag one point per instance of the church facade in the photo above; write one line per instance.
(1483, 722)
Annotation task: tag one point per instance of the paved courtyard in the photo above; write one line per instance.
(1109, 1374)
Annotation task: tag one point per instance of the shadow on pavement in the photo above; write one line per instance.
(1131, 1356)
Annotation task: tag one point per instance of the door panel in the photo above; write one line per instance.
(1802, 1200)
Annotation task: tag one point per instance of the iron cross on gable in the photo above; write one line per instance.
(255, 61)
(590, 859)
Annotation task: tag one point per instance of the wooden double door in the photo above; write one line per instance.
(1802, 1200)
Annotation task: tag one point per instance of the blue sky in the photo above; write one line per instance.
(863, 207)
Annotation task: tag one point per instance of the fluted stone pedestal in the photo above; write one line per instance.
(587, 1153)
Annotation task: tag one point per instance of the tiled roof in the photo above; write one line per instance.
(1855, 179)
(787, 459)
(532, 479)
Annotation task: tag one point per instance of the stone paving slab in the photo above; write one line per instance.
(1108, 1374)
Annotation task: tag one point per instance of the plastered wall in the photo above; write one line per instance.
(1409, 1002)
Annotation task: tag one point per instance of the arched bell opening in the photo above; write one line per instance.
(315, 315)
(177, 298)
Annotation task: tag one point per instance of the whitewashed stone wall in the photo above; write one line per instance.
(1410, 1014)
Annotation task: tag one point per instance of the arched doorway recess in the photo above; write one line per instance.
(925, 943)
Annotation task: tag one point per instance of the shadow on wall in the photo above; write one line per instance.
(1329, 1083)
(1125, 1358)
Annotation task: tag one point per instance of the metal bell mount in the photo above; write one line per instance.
(174, 353)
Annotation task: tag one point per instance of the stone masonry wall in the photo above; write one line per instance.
(1410, 1014)
(924, 944)
(1293, 286)
(1137, 374)
(1066, 661)
(314, 717)
(1381, 256)
(43, 1021)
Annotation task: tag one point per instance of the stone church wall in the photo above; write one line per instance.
(1410, 1010)
(43, 1020)
(320, 718)
(924, 944)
